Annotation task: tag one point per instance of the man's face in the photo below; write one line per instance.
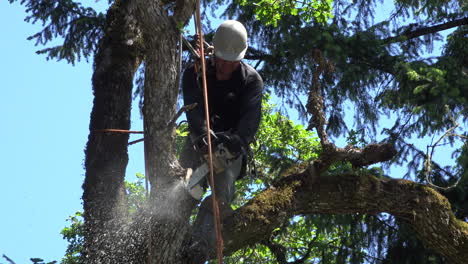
(224, 68)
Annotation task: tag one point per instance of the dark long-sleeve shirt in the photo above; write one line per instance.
(234, 104)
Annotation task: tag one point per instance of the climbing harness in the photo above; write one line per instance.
(217, 219)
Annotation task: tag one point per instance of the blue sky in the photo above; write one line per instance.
(45, 108)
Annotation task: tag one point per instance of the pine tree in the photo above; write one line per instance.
(334, 54)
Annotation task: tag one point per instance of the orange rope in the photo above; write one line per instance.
(217, 221)
(118, 131)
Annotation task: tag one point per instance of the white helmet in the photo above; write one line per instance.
(230, 41)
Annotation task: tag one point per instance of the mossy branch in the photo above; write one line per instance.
(424, 209)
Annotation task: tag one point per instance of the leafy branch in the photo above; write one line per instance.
(271, 11)
(80, 27)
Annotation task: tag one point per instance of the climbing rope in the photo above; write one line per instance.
(217, 220)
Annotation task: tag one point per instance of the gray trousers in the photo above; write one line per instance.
(204, 233)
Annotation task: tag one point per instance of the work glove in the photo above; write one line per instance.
(201, 143)
(233, 143)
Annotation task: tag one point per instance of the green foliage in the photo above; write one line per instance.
(378, 71)
(182, 132)
(74, 234)
(41, 261)
(426, 89)
(280, 143)
(356, 139)
(321, 239)
(459, 195)
(271, 11)
(136, 193)
(80, 27)
(367, 67)
(429, 8)
(405, 248)
(324, 239)
(375, 78)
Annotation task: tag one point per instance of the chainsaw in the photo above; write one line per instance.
(222, 159)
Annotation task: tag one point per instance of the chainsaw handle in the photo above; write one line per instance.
(201, 143)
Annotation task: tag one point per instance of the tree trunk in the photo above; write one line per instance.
(106, 153)
(155, 235)
(168, 198)
(158, 234)
(169, 203)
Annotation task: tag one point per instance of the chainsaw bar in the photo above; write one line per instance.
(194, 181)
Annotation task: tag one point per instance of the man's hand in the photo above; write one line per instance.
(209, 50)
(201, 143)
(233, 143)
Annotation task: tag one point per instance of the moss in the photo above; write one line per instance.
(271, 202)
(433, 195)
(461, 225)
(294, 169)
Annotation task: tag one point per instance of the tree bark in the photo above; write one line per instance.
(106, 153)
(170, 204)
(427, 30)
(427, 211)
(158, 235)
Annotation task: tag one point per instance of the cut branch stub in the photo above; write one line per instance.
(315, 103)
(371, 154)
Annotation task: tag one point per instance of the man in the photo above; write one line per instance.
(234, 97)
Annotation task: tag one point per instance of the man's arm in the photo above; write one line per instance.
(250, 108)
(193, 94)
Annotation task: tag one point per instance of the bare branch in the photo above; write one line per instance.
(315, 102)
(371, 154)
(8, 259)
(421, 153)
(310, 245)
(427, 30)
(431, 150)
(183, 109)
(278, 250)
(457, 135)
(190, 48)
